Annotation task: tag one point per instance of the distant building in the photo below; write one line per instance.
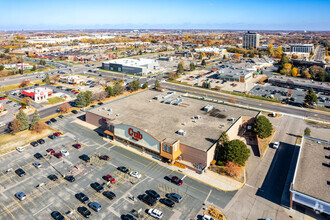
(38, 94)
(251, 40)
(210, 50)
(302, 48)
(71, 79)
(139, 66)
(18, 66)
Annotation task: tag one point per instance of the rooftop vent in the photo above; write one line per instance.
(208, 108)
(181, 132)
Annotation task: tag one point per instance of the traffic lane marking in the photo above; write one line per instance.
(8, 211)
(18, 204)
(128, 157)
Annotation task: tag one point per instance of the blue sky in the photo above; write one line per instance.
(170, 14)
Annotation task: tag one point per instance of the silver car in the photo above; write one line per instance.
(20, 195)
(95, 206)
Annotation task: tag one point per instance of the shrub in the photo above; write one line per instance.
(233, 169)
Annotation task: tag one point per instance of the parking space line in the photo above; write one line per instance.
(30, 201)
(129, 157)
(8, 210)
(7, 177)
(42, 209)
(18, 204)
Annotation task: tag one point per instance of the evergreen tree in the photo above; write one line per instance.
(235, 151)
(263, 127)
(192, 66)
(180, 68)
(117, 89)
(307, 132)
(46, 79)
(145, 85)
(34, 68)
(81, 100)
(88, 97)
(157, 84)
(24, 119)
(134, 85)
(203, 63)
(109, 91)
(35, 119)
(311, 97)
(224, 57)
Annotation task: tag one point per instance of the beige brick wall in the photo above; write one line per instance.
(193, 155)
(232, 132)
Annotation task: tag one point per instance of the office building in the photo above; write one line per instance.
(139, 66)
(251, 40)
(302, 48)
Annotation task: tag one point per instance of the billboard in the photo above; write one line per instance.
(137, 136)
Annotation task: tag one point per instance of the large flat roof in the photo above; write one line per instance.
(164, 120)
(311, 176)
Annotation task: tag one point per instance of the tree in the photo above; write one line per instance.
(311, 97)
(263, 127)
(180, 68)
(117, 89)
(192, 66)
(99, 96)
(233, 169)
(307, 132)
(109, 91)
(134, 85)
(24, 119)
(24, 83)
(157, 84)
(65, 107)
(223, 138)
(1, 67)
(7, 50)
(203, 63)
(286, 69)
(236, 151)
(46, 79)
(145, 85)
(294, 71)
(88, 97)
(224, 57)
(15, 126)
(232, 100)
(35, 119)
(81, 100)
(34, 68)
(39, 127)
(171, 75)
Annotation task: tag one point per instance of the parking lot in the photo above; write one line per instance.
(44, 196)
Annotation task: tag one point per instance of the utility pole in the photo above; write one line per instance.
(22, 64)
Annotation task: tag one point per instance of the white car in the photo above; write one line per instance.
(37, 164)
(65, 152)
(207, 217)
(20, 149)
(155, 213)
(135, 174)
(276, 145)
(20, 195)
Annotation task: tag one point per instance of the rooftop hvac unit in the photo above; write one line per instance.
(181, 132)
(208, 108)
(174, 101)
(197, 117)
(183, 123)
(117, 114)
(110, 110)
(168, 101)
(178, 102)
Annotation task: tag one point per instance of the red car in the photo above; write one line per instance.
(78, 146)
(176, 180)
(58, 155)
(51, 151)
(110, 179)
(2, 98)
(104, 157)
(75, 93)
(23, 107)
(57, 134)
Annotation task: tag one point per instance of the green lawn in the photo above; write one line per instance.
(55, 100)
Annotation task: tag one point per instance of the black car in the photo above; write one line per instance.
(123, 169)
(82, 198)
(20, 172)
(70, 178)
(57, 215)
(127, 217)
(41, 141)
(93, 106)
(52, 136)
(149, 200)
(38, 156)
(34, 143)
(97, 187)
(74, 111)
(53, 120)
(167, 202)
(153, 194)
(52, 177)
(100, 103)
(36, 84)
(85, 158)
(61, 116)
(109, 195)
(68, 90)
(84, 211)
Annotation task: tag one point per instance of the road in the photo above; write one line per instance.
(250, 102)
(319, 53)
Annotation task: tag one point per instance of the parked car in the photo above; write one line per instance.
(41, 141)
(57, 215)
(110, 179)
(167, 202)
(20, 172)
(65, 153)
(109, 195)
(51, 151)
(276, 145)
(74, 111)
(127, 217)
(20, 195)
(123, 169)
(148, 200)
(176, 180)
(48, 122)
(53, 120)
(82, 197)
(155, 213)
(84, 211)
(36, 164)
(58, 155)
(85, 158)
(20, 149)
(175, 197)
(70, 178)
(104, 157)
(34, 143)
(61, 116)
(57, 134)
(95, 206)
(52, 177)
(51, 136)
(38, 156)
(153, 194)
(78, 146)
(97, 187)
(135, 174)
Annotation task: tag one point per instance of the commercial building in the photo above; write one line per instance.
(38, 94)
(74, 79)
(237, 72)
(311, 181)
(302, 48)
(170, 127)
(211, 50)
(251, 40)
(139, 66)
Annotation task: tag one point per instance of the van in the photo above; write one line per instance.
(207, 217)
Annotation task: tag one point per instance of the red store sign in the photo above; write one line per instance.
(135, 135)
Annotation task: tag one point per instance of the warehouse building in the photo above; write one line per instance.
(168, 126)
(139, 66)
(311, 182)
